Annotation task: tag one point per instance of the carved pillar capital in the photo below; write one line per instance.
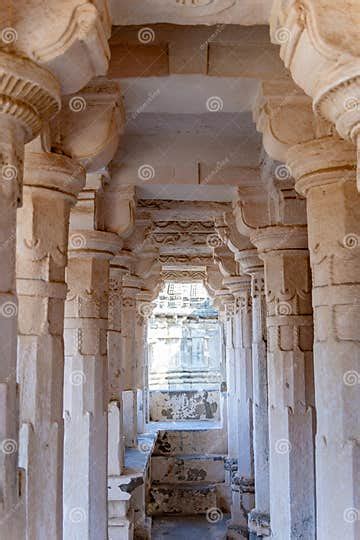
(29, 94)
(225, 261)
(322, 161)
(90, 124)
(96, 244)
(118, 207)
(285, 117)
(51, 171)
(239, 286)
(320, 46)
(70, 40)
(279, 238)
(224, 300)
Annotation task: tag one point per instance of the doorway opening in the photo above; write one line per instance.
(185, 360)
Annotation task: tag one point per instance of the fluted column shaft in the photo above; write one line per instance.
(325, 174)
(51, 185)
(86, 387)
(290, 368)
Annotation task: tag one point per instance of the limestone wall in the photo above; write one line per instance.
(184, 405)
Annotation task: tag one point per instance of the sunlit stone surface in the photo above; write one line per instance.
(202, 154)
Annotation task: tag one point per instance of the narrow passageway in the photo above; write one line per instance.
(179, 270)
(188, 487)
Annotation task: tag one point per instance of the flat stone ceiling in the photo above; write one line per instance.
(245, 12)
(189, 133)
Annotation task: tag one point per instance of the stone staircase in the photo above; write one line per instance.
(187, 474)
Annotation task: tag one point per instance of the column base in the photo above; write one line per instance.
(242, 501)
(259, 524)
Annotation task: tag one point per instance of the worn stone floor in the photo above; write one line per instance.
(188, 528)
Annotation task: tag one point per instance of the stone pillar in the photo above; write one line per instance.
(119, 524)
(140, 365)
(86, 392)
(51, 185)
(28, 95)
(144, 309)
(290, 368)
(259, 517)
(227, 300)
(116, 380)
(325, 174)
(131, 288)
(243, 485)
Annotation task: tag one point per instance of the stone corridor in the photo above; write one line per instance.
(142, 144)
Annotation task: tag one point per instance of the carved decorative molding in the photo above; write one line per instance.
(28, 93)
(285, 117)
(90, 124)
(326, 35)
(64, 36)
(183, 276)
(186, 260)
(184, 226)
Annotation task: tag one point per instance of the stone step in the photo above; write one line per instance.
(187, 442)
(183, 469)
(184, 499)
